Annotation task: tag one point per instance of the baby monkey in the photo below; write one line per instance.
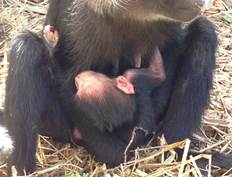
(112, 103)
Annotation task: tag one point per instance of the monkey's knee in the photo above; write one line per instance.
(27, 49)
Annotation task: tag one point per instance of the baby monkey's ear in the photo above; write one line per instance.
(124, 85)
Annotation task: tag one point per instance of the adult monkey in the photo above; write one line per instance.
(106, 36)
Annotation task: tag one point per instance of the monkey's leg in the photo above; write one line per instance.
(29, 93)
(192, 83)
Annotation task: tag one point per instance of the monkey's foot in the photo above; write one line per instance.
(50, 35)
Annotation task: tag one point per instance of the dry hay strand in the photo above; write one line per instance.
(56, 159)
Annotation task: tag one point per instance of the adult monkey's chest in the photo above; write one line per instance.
(107, 38)
(110, 49)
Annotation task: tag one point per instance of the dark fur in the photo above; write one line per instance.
(101, 39)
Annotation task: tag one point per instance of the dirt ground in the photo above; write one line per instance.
(56, 159)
